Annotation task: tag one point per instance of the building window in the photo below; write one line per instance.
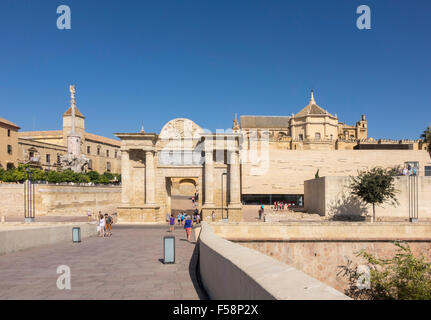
(98, 151)
(301, 137)
(107, 153)
(10, 166)
(31, 154)
(58, 159)
(8, 132)
(48, 158)
(9, 149)
(428, 171)
(116, 153)
(90, 164)
(317, 136)
(108, 166)
(332, 136)
(88, 150)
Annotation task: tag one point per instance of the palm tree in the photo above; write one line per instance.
(426, 136)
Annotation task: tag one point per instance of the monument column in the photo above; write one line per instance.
(125, 176)
(209, 173)
(235, 194)
(150, 180)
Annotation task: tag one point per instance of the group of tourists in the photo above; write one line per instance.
(409, 171)
(182, 218)
(281, 205)
(104, 226)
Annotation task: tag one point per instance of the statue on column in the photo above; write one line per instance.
(73, 160)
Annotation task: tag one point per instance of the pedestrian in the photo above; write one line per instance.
(179, 218)
(188, 227)
(168, 216)
(182, 218)
(108, 223)
(89, 215)
(102, 223)
(198, 218)
(405, 171)
(260, 214)
(171, 223)
(213, 216)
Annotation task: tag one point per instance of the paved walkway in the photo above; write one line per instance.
(127, 265)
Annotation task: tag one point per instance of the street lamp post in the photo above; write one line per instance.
(29, 203)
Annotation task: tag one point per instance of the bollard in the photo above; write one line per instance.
(76, 234)
(168, 249)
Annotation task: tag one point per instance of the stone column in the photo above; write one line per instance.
(235, 194)
(209, 173)
(125, 176)
(150, 179)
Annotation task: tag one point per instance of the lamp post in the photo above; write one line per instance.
(29, 206)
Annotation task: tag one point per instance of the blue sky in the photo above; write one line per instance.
(148, 62)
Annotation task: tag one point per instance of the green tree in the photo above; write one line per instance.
(93, 176)
(374, 187)
(426, 136)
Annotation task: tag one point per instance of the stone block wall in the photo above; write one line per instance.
(330, 196)
(60, 200)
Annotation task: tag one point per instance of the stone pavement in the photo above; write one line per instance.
(127, 265)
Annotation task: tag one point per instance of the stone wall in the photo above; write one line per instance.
(319, 249)
(60, 200)
(20, 237)
(330, 196)
(284, 171)
(323, 259)
(231, 272)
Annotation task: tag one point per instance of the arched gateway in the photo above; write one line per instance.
(182, 150)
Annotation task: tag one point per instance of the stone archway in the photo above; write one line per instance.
(181, 152)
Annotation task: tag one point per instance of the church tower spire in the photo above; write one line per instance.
(312, 101)
(235, 126)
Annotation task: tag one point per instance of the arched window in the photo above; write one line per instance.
(108, 166)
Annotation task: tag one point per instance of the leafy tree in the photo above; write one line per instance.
(403, 277)
(426, 136)
(375, 187)
(93, 176)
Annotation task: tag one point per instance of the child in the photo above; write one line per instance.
(171, 223)
(179, 219)
(102, 223)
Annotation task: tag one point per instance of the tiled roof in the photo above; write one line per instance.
(77, 112)
(249, 122)
(311, 109)
(3, 120)
(95, 137)
(32, 134)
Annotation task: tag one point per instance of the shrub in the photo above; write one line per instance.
(404, 277)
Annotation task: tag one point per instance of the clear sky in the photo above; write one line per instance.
(148, 62)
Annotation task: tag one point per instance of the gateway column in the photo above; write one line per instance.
(209, 173)
(125, 176)
(150, 180)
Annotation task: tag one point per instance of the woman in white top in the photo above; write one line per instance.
(102, 224)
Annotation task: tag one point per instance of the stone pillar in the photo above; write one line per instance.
(235, 193)
(125, 176)
(209, 174)
(150, 178)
